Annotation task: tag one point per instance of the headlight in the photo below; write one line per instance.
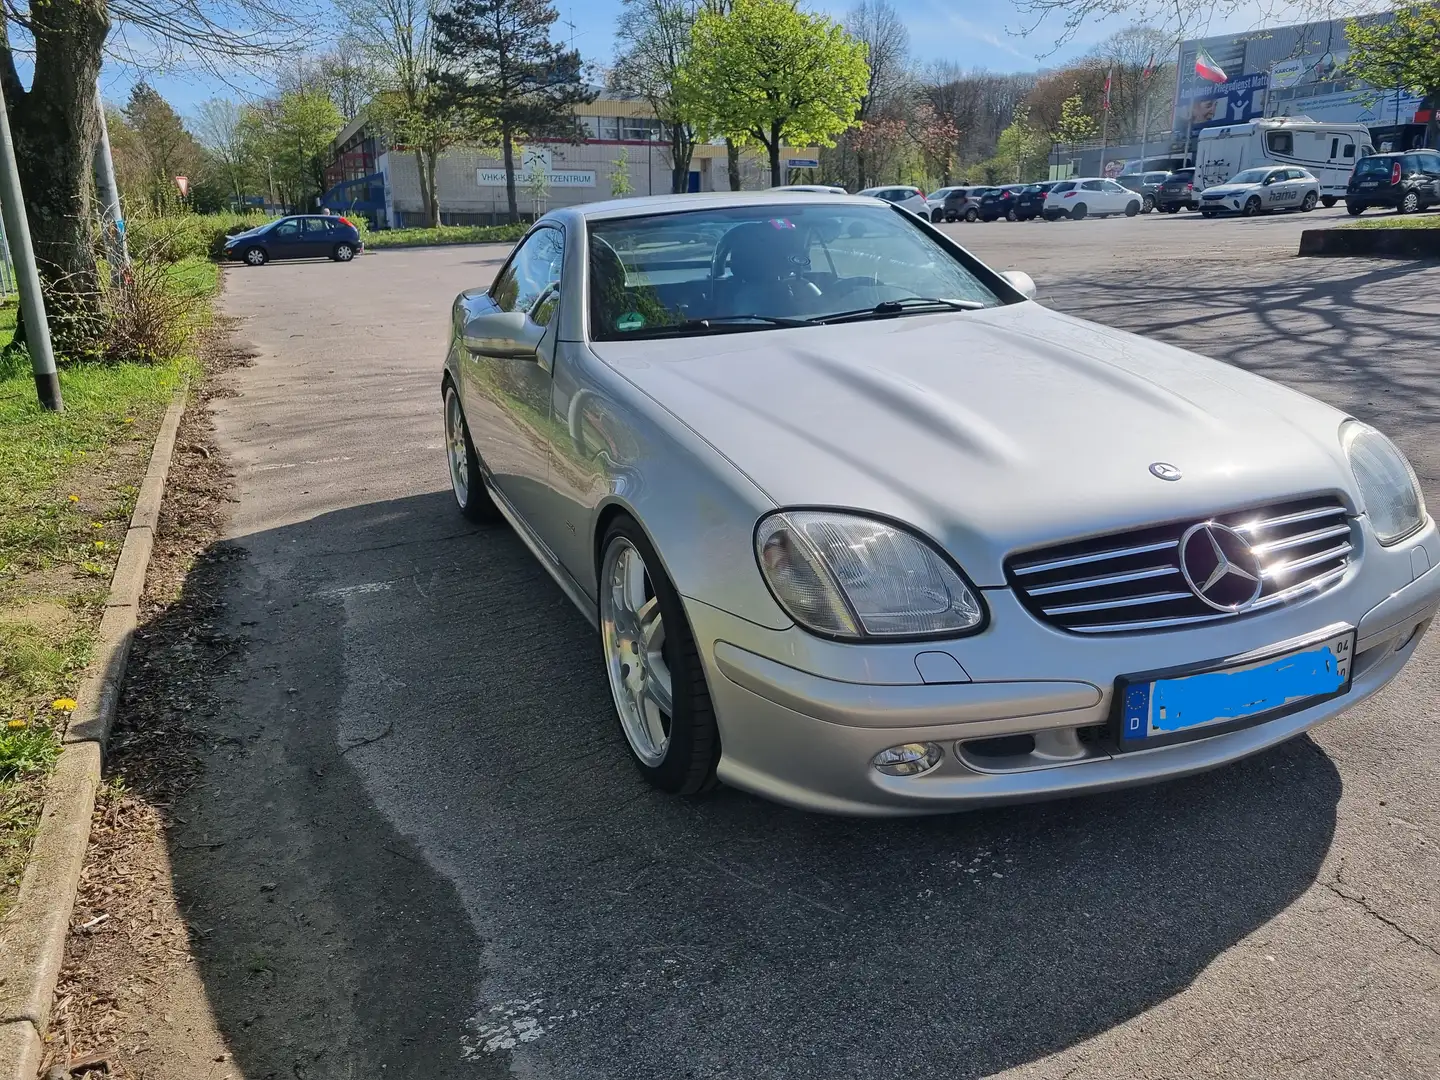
(1388, 486)
(849, 576)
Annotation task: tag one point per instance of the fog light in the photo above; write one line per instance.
(909, 759)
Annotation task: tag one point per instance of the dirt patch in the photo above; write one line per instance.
(130, 1001)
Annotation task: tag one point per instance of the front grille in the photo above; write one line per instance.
(1132, 580)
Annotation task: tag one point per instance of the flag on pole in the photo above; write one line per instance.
(1106, 103)
(1208, 69)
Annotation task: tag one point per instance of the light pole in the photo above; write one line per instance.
(110, 197)
(32, 303)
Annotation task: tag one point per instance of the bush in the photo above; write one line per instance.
(152, 315)
(447, 234)
(174, 238)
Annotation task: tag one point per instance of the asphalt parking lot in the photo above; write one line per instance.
(432, 829)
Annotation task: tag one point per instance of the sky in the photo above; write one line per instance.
(972, 33)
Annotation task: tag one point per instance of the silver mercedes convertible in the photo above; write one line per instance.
(865, 529)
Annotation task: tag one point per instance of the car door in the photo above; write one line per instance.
(507, 399)
(283, 241)
(317, 234)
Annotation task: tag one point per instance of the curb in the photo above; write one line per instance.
(33, 932)
(1392, 243)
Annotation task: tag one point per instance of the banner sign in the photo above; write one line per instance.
(553, 178)
(1285, 73)
(1230, 102)
(802, 163)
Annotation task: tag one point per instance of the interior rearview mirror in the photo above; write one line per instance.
(508, 334)
(1021, 282)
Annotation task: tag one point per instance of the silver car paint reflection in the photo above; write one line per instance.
(990, 432)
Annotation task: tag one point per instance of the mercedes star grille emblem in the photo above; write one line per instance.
(1164, 470)
(1219, 567)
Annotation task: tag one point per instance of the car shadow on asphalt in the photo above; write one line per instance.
(419, 849)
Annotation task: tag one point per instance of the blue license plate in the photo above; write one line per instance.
(1158, 711)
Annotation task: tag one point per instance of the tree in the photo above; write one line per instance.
(168, 148)
(1404, 53)
(620, 184)
(877, 25)
(1076, 125)
(770, 72)
(1175, 17)
(218, 129)
(292, 136)
(55, 121)
(497, 61)
(1022, 148)
(654, 47)
(397, 39)
(936, 136)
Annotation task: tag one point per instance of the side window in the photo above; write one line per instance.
(1334, 148)
(287, 230)
(1112, 186)
(532, 269)
(1092, 185)
(1280, 142)
(1349, 150)
(317, 228)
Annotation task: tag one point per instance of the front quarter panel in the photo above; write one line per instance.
(617, 449)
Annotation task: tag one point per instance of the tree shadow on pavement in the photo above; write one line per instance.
(419, 850)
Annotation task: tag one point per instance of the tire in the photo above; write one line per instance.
(255, 256)
(1078, 211)
(1252, 206)
(937, 216)
(1148, 204)
(1328, 201)
(638, 606)
(1207, 213)
(1309, 202)
(1409, 203)
(1132, 208)
(1355, 209)
(1010, 215)
(972, 215)
(466, 481)
(344, 252)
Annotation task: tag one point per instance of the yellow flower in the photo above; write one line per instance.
(74, 498)
(129, 419)
(63, 704)
(16, 724)
(97, 524)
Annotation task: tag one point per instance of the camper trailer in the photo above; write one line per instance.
(1327, 150)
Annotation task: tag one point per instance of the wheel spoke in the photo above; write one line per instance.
(651, 629)
(657, 688)
(654, 724)
(632, 580)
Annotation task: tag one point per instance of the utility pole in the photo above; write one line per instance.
(32, 303)
(110, 198)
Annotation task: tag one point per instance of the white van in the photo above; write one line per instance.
(1327, 150)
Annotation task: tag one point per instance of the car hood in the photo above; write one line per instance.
(248, 234)
(991, 431)
(1231, 189)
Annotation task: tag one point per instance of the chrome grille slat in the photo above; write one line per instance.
(1107, 584)
(1108, 579)
(1301, 540)
(1311, 560)
(1119, 553)
(1129, 601)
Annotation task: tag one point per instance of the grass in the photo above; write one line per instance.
(1382, 219)
(445, 234)
(68, 483)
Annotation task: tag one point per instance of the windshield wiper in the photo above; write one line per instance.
(716, 324)
(891, 308)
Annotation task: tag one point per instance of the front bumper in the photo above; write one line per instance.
(801, 719)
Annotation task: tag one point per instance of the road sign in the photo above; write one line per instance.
(802, 163)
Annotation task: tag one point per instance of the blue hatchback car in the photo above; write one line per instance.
(301, 236)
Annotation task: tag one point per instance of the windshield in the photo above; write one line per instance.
(755, 267)
(1374, 166)
(1250, 176)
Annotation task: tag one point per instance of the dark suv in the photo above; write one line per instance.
(1146, 185)
(1000, 203)
(1404, 182)
(963, 203)
(1177, 192)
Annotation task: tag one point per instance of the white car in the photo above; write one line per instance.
(822, 189)
(936, 199)
(1089, 196)
(1255, 191)
(903, 196)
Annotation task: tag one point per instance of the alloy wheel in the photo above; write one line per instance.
(633, 634)
(1410, 203)
(255, 257)
(344, 252)
(455, 449)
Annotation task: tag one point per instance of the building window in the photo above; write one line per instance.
(609, 127)
(640, 130)
(591, 126)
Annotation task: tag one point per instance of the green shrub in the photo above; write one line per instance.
(447, 234)
(177, 237)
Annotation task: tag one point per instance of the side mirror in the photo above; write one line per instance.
(1021, 282)
(507, 334)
